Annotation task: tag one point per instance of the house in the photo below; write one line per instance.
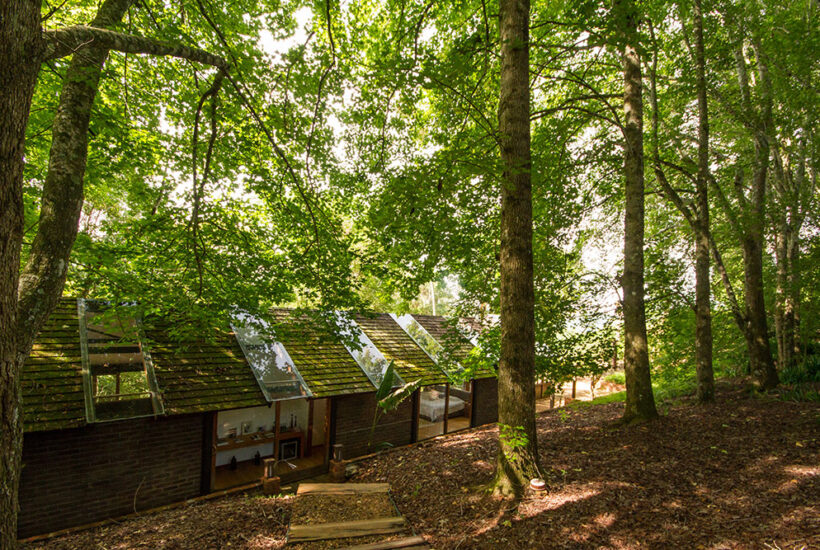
(119, 418)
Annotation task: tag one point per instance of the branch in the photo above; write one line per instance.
(66, 41)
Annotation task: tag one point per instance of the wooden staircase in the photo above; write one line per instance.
(390, 526)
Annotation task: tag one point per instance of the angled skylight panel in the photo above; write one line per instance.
(427, 342)
(368, 356)
(269, 360)
(419, 335)
(118, 374)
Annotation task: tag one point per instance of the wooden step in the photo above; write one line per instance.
(346, 529)
(341, 488)
(409, 543)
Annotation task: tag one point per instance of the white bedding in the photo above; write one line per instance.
(432, 407)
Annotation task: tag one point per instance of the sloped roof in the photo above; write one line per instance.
(325, 364)
(442, 330)
(52, 377)
(200, 377)
(409, 359)
(214, 375)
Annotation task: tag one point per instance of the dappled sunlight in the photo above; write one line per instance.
(553, 500)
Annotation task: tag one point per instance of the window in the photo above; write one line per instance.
(269, 360)
(368, 356)
(423, 338)
(117, 371)
(430, 345)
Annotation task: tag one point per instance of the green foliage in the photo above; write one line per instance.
(805, 372)
(616, 378)
(389, 399)
(513, 440)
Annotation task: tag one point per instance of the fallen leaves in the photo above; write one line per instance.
(664, 485)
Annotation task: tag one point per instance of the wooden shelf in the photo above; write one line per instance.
(260, 438)
(247, 440)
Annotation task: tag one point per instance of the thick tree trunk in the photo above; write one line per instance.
(757, 330)
(22, 46)
(640, 402)
(518, 454)
(761, 364)
(703, 304)
(42, 280)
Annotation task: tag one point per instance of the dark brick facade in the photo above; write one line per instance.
(485, 401)
(82, 475)
(353, 419)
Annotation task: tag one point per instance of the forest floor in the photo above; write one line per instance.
(742, 473)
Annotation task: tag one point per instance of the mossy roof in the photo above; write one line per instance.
(214, 375)
(442, 329)
(410, 360)
(204, 376)
(52, 377)
(323, 361)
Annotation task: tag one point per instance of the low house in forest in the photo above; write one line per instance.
(119, 419)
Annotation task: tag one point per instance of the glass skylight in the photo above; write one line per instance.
(426, 342)
(118, 374)
(418, 333)
(368, 356)
(269, 360)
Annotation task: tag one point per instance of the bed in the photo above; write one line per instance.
(432, 403)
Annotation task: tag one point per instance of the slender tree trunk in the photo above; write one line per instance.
(783, 332)
(20, 36)
(640, 402)
(518, 453)
(791, 307)
(42, 280)
(703, 304)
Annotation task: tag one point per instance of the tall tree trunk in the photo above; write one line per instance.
(783, 327)
(42, 280)
(22, 45)
(703, 304)
(518, 453)
(640, 402)
(757, 334)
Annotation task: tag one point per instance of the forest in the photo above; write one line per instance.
(630, 179)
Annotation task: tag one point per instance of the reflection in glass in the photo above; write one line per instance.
(460, 407)
(117, 367)
(269, 360)
(432, 411)
(368, 356)
(420, 336)
(429, 344)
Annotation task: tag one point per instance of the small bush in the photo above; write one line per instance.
(806, 372)
(616, 378)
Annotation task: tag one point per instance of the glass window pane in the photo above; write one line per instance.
(429, 344)
(421, 336)
(368, 356)
(431, 411)
(460, 407)
(118, 369)
(269, 360)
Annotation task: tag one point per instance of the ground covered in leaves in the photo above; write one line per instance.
(743, 473)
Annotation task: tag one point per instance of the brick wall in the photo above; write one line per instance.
(485, 405)
(83, 475)
(354, 419)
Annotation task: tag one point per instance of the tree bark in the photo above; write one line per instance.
(640, 402)
(26, 303)
(703, 304)
(757, 333)
(518, 453)
(20, 53)
(42, 280)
